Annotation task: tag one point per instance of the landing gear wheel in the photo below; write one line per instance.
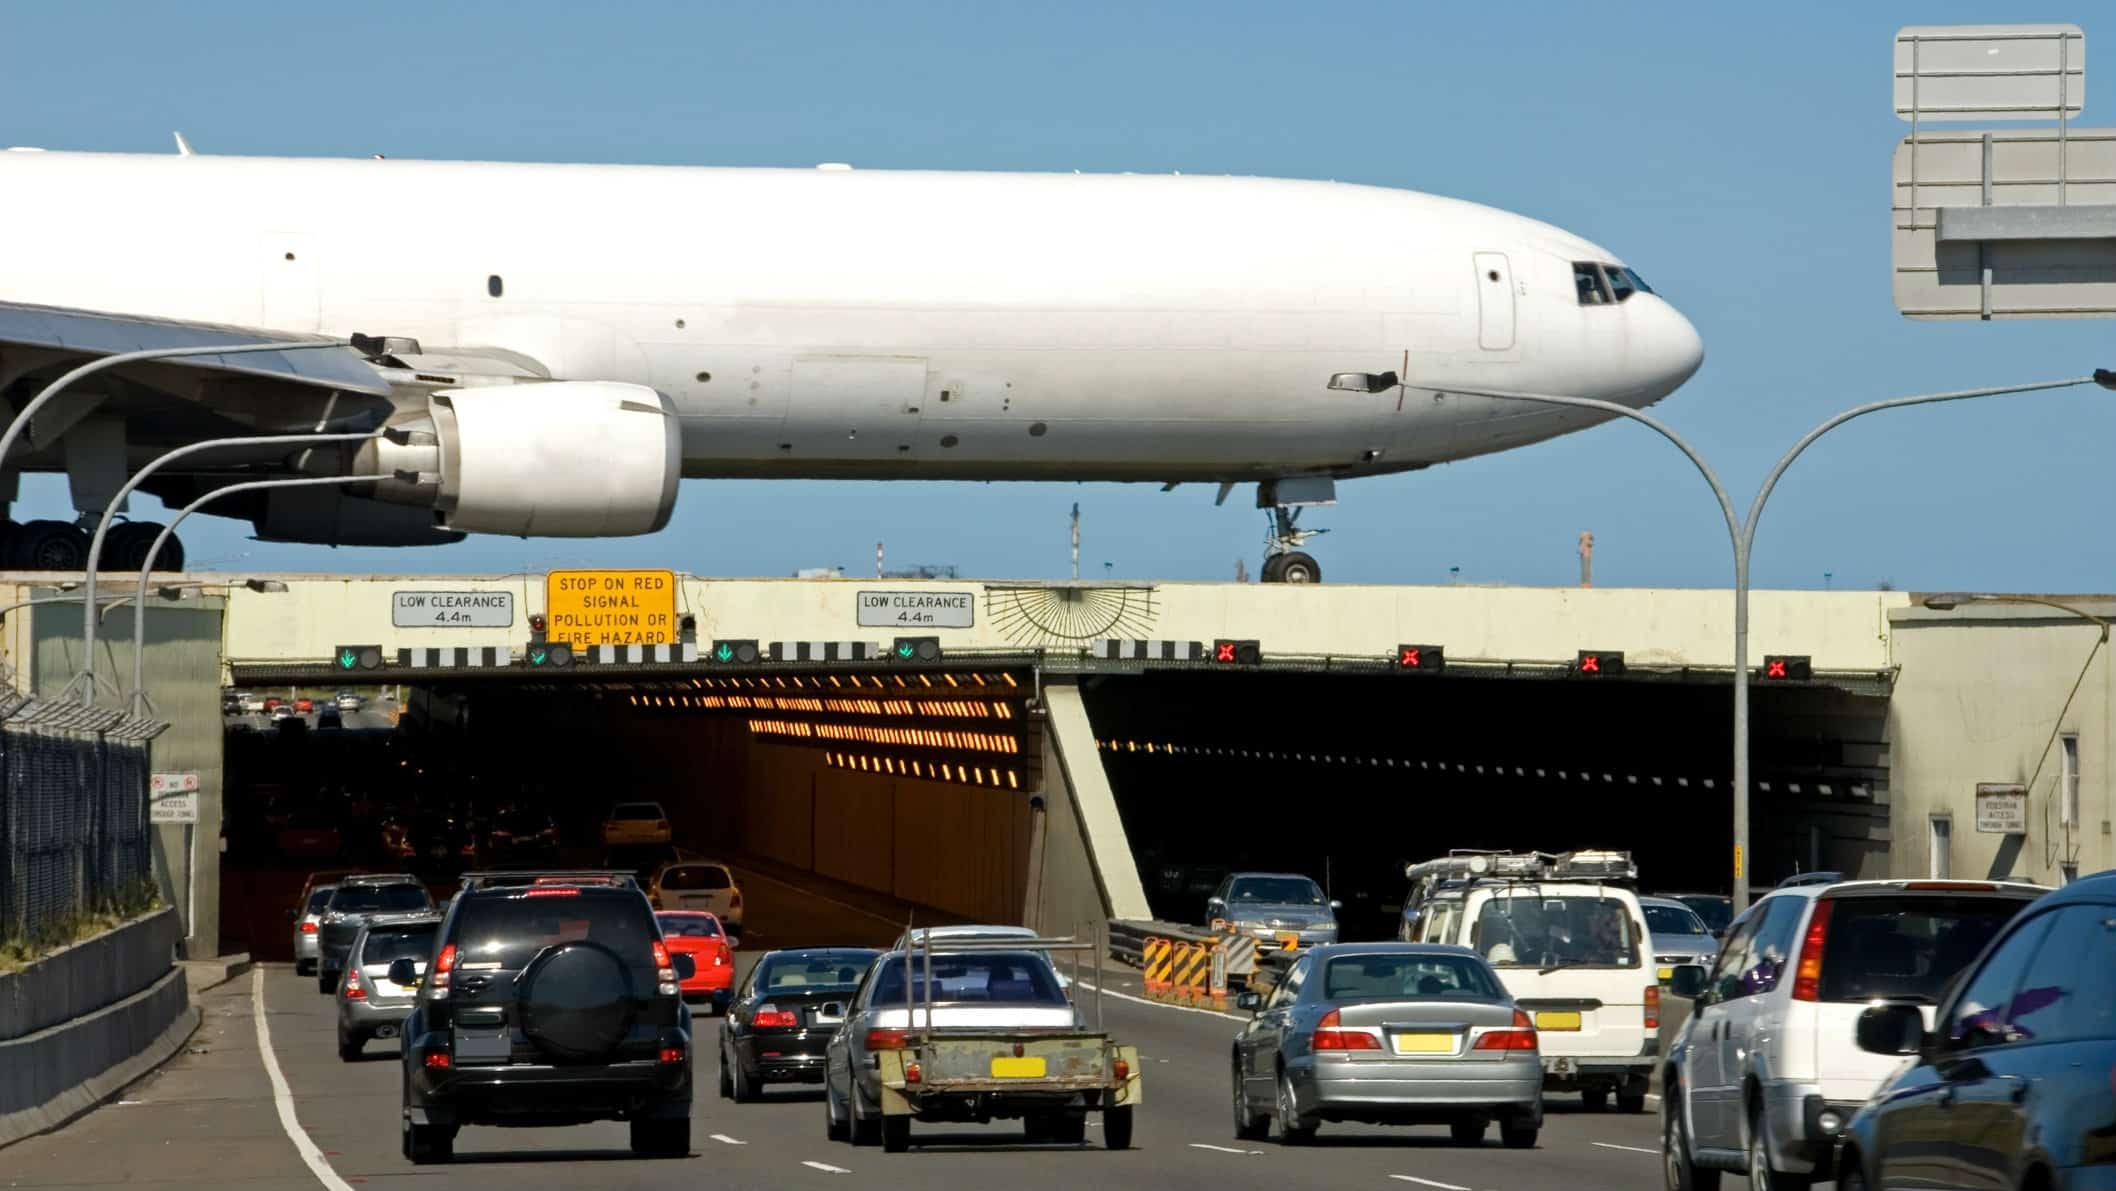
(1468, 1133)
(662, 1139)
(1297, 567)
(1274, 569)
(896, 1134)
(172, 556)
(48, 546)
(1248, 1124)
(1116, 1127)
(1293, 1128)
(1594, 1099)
(126, 546)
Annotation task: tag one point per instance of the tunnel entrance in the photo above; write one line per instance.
(1345, 777)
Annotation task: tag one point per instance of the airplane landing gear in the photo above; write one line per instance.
(63, 546)
(1284, 560)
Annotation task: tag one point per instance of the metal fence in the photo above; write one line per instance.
(73, 814)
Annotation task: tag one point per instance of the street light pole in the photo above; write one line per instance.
(86, 678)
(1743, 533)
(139, 609)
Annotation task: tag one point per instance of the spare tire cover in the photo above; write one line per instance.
(575, 1001)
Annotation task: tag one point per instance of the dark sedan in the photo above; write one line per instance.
(783, 1016)
(2012, 1086)
(356, 900)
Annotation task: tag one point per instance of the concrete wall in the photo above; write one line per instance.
(1984, 688)
(1840, 630)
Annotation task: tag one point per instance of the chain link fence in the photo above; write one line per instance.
(73, 816)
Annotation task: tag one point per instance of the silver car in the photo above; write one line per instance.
(1388, 1034)
(1679, 936)
(308, 923)
(1276, 909)
(370, 1004)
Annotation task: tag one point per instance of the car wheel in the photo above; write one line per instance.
(662, 1139)
(1631, 1102)
(1762, 1176)
(304, 967)
(1519, 1132)
(1293, 1128)
(427, 1145)
(1069, 1128)
(866, 1130)
(1469, 1132)
(350, 1046)
(1594, 1099)
(742, 1089)
(1851, 1175)
(896, 1134)
(1682, 1173)
(1116, 1127)
(326, 982)
(727, 1083)
(834, 1126)
(1249, 1125)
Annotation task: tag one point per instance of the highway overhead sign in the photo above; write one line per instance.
(452, 609)
(611, 607)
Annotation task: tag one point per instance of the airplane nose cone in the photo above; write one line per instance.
(1667, 348)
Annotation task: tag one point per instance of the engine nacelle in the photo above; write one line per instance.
(562, 459)
(327, 517)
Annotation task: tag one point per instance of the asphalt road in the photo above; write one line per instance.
(210, 1118)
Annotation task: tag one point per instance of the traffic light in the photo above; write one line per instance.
(537, 624)
(357, 657)
(549, 655)
(1237, 653)
(1599, 663)
(737, 653)
(915, 649)
(1782, 667)
(1423, 659)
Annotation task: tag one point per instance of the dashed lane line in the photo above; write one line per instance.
(1199, 1145)
(725, 1140)
(1610, 1145)
(1411, 1178)
(826, 1168)
(283, 1096)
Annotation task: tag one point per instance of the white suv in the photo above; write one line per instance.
(1767, 1070)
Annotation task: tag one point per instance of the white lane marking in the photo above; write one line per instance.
(826, 1168)
(805, 892)
(283, 1097)
(1406, 1178)
(1610, 1145)
(1111, 992)
(724, 1139)
(1199, 1145)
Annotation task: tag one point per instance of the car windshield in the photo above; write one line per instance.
(1278, 890)
(1716, 911)
(387, 946)
(1011, 978)
(1674, 920)
(696, 876)
(636, 810)
(1529, 929)
(367, 899)
(836, 970)
(1906, 948)
(689, 926)
(319, 898)
(508, 931)
(1408, 976)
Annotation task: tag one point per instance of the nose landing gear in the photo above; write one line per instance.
(1284, 560)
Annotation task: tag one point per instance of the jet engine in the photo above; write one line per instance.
(562, 459)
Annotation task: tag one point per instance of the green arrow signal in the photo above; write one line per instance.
(346, 658)
(724, 652)
(903, 651)
(536, 657)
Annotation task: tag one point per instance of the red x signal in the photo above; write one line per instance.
(1225, 652)
(1410, 657)
(1590, 664)
(1776, 669)
(1426, 659)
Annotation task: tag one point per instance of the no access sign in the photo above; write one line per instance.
(610, 607)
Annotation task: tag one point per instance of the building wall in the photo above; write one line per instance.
(1983, 689)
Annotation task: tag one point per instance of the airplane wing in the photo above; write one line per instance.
(69, 332)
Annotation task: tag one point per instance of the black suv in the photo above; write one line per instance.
(551, 1000)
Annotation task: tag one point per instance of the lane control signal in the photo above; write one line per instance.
(1424, 659)
(537, 624)
(915, 649)
(549, 655)
(1780, 667)
(736, 653)
(357, 657)
(1237, 653)
(1599, 663)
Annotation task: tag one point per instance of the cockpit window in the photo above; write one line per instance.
(1631, 278)
(1587, 278)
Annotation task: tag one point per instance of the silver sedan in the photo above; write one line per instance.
(1388, 1033)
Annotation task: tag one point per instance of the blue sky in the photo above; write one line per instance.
(1737, 160)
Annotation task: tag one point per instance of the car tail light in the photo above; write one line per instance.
(1653, 1006)
(912, 1074)
(1123, 1069)
(1519, 1036)
(443, 964)
(672, 1054)
(552, 891)
(1330, 1035)
(664, 970)
(735, 899)
(468, 850)
(661, 824)
(771, 1017)
(353, 991)
(437, 1060)
(1807, 977)
(888, 1039)
(307, 927)
(720, 957)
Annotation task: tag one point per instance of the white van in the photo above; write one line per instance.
(1569, 941)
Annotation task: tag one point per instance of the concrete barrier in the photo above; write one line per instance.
(77, 1026)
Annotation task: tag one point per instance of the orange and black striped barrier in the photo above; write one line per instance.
(1157, 960)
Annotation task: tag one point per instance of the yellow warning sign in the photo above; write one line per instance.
(610, 607)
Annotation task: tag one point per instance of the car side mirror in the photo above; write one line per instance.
(403, 971)
(1687, 981)
(1893, 1030)
(686, 965)
(1215, 901)
(1252, 1001)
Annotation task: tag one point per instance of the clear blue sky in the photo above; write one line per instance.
(1737, 156)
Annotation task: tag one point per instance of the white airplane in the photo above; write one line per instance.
(559, 344)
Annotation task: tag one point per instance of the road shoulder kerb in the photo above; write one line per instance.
(202, 974)
(83, 1098)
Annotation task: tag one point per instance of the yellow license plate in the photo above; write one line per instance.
(1557, 1021)
(1031, 1067)
(1289, 942)
(1667, 973)
(1425, 1044)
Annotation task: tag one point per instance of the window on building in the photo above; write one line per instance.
(2068, 779)
(1942, 847)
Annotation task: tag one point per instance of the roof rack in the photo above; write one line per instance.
(1585, 865)
(524, 878)
(374, 879)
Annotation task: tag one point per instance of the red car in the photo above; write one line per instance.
(304, 705)
(700, 936)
